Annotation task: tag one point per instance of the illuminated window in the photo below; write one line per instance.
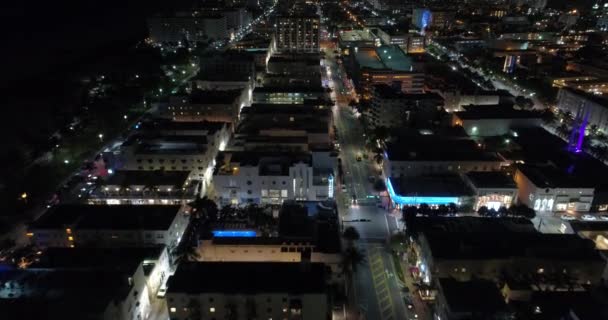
(71, 238)
(541, 270)
(212, 309)
(173, 310)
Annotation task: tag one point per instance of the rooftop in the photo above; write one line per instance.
(164, 125)
(475, 296)
(491, 179)
(437, 148)
(507, 245)
(601, 100)
(270, 277)
(126, 259)
(496, 112)
(394, 58)
(214, 96)
(113, 217)
(547, 176)
(269, 162)
(431, 186)
(148, 178)
(356, 35)
(44, 294)
(167, 144)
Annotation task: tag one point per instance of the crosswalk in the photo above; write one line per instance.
(379, 276)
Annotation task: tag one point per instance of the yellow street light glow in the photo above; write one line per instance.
(24, 195)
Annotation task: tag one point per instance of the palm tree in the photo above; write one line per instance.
(351, 235)
(409, 219)
(378, 155)
(205, 208)
(351, 259)
(185, 252)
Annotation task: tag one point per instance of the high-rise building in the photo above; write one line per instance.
(298, 32)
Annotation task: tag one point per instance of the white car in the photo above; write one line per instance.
(161, 293)
(603, 218)
(588, 217)
(343, 188)
(568, 217)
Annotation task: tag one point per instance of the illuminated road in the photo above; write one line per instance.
(377, 291)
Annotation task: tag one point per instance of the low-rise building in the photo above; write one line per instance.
(207, 105)
(392, 108)
(288, 94)
(409, 42)
(273, 177)
(294, 64)
(593, 108)
(386, 64)
(123, 282)
(277, 290)
(492, 189)
(357, 38)
(228, 71)
(427, 154)
(432, 190)
(309, 231)
(168, 153)
(288, 123)
(109, 225)
(138, 187)
(483, 121)
(545, 188)
(495, 249)
(464, 299)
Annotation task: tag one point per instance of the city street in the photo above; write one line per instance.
(377, 289)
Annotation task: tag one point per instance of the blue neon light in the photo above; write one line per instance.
(234, 233)
(417, 200)
(426, 19)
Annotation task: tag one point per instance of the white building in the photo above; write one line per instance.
(547, 189)
(273, 177)
(110, 226)
(492, 189)
(252, 290)
(594, 108)
(146, 187)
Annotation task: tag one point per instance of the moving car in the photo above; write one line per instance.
(588, 217)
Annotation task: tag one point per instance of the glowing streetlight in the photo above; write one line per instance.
(100, 136)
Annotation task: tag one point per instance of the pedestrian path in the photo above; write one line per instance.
(380, 280)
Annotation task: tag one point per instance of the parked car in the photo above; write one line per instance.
(568, 217)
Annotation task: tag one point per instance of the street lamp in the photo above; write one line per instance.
(100, 136)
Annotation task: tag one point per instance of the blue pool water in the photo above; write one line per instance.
(233, 233)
